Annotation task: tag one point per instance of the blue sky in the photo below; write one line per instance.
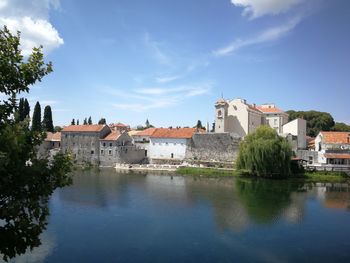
(169, 61)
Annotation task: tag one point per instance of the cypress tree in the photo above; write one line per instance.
(102, 121)
(85, 122)
(20, 111)
(77, 121)
(26, 109)
(72, 122)
(36, 122)
(47, 119)
(90, 121)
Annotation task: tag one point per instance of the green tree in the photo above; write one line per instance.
(58, 128)
(341, 127)
(199, 125)
(47, 120)
(85, 121)
(102, 121)
(316, 121)
(77, 121)
(265, 154)
(72, 122)
(26, 182)
(36, 123)
(26, 109)
(20, 112)
(89, 121)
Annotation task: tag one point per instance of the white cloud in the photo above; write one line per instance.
(158, 97)
(258, 8)
(167, 79)
(268, 35)
(31, 18)
(155, 48)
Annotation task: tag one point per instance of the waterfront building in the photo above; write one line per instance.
(170, 143)
(333, 148)
(296, 128)
(142, 138)
(274, 117)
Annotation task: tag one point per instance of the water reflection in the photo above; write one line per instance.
(143, 217)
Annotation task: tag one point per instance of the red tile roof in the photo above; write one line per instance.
(83, 128)
(53, 136)
(337, 156)
(146, 132)
(183, 133)
(113, 136)
(269, 110)
(336, 137)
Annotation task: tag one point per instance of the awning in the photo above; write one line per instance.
(337, 156)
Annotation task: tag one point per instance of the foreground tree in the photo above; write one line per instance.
(26, 182)
(47, 120)
(36, 122)
(265, 154)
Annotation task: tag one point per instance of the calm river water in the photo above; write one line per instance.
(118, 217)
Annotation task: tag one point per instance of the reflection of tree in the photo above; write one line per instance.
(228, 210)
(265, 200)
(24, 205)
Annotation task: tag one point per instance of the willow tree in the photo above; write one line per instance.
(264, 153)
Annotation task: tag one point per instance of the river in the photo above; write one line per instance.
(107, 216)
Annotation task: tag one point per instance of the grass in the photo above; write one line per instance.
(207, 172)
(313, 177)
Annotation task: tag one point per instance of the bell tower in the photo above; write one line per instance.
(221, 107)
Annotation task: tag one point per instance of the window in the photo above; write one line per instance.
(102, 152)
(172, 155)
(92, 151)
(145, 153)
(110, 144)
(104, 144)
(166, 143)
(109, 152)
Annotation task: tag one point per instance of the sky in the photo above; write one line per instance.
(169, 61)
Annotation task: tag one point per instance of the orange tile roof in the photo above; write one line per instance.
(113, 136)
(253, 107)
(184, 133)
(53, 136)
(269, 110)
(83, 128)
(337, 156)
(336, 137)
(146, 132)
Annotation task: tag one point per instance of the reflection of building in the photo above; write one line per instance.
(337, 197)
(333, 148)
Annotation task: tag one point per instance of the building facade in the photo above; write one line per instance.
(297, 128)
(333, 148)
(274, 117)
(83, 141)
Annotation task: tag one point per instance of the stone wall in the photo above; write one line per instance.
(213, 147)
(310, 156)
(122, 155)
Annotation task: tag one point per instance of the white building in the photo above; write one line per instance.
(296, 128)
(274, 117)
(142, 138)
(333, 148)
(170, 143)
(237, 116)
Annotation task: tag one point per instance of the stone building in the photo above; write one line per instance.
(117, 147)
(83, 141)
(121, 127)
(274, 117)
(51, 145)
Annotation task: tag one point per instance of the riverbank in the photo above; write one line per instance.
(312, 177)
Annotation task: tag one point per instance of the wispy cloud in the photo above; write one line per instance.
(268, 35)
(155, 48)
(158, 97)
(258, 8)
(166, 79)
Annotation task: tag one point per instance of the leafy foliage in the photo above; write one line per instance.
(316, 121)
(264, 153)
(340, 126)
(26, 182)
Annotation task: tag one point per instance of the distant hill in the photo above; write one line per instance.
(318, 121)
